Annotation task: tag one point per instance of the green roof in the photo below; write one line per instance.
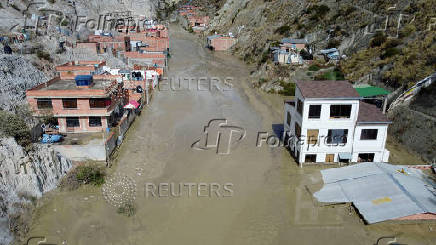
(371, 91)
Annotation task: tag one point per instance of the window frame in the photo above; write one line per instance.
(38, 105)
(72, 118)
(300, 106)
(65, 102)
(94, 125)
(319, 115)
(369, 156)
(310, 155)
(329, 139)
(99, 103)
(288, 118)
(341, 111)
(368, 135)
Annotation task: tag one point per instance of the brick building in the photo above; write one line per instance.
(157, 59)
(73, 68)
(107, 43)
(220, 42)
(83, 104)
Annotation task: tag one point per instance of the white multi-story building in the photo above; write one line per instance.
(328, 122)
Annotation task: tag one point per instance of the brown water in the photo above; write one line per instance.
(271, 203)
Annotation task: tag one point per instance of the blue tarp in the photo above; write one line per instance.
(47, 138)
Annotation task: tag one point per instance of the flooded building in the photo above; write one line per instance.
(220, 42)
(83, 104)
(71, 69)
(109, 43)
(328, 122)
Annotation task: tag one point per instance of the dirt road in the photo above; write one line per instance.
(270, 201)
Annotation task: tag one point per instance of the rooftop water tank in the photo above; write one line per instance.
(83, 80)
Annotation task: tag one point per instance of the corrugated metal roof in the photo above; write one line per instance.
(380, 191)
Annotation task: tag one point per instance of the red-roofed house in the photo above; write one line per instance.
(84, 67)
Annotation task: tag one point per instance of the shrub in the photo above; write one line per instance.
(288, 88)
(318, 11)
(335, 74)
(90, 174)
(43, 55)
(378, 39)
(51, 1)
(390, 52)
(64, 22)
(333, 43)
(306, 55)
(407, 30)
(283, 30)
(14, 126)
(314, 68)
(127, 210)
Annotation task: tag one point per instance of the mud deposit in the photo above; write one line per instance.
(270, 202)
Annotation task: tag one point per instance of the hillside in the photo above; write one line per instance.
(390, 44)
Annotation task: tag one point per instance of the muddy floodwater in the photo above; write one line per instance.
(253, 195)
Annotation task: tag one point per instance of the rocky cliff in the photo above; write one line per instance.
(24, 177)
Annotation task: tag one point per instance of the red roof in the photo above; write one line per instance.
(327, 89)
(136, 55)
(371, 114)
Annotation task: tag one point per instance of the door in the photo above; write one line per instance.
(330, 158)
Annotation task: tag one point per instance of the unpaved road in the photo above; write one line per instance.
(271, 201)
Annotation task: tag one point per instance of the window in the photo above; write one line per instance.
(69, 103)
(44, 104)
(368, 134)
(297, 130)
(73, 122)
(300, 106)
(99, 103)
(312, 136)
(310, 158)
(366, 157)
(340, 111)
(288, 118)
(95, 121)
(337, 136)
(329, 157)
(314, 111)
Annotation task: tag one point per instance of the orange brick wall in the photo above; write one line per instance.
(84, 125)
(223, 43)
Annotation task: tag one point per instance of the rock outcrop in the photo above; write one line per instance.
(25, 176)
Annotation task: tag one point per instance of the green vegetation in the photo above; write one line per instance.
(64, 22)
(127, 210)
(389, 52)
(333, 43)
(335, 74)
(314, 68)
(12, 125)
(43, 55)
(288, 88)
(317, 12)
(283, 30)
(88, 174)
(51, 1)
(378, 39)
